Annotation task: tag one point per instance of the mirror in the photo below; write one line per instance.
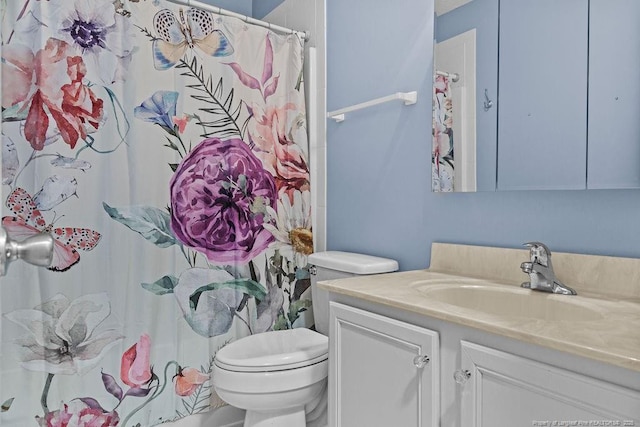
(454, 96)
(567, 112)
(465, 112)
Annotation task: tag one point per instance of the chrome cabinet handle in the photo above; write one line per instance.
(461, 376)
(420, 361)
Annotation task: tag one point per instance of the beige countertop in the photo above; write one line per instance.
(610, 334)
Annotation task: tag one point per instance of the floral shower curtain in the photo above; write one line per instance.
(165, 150)
(442, 159)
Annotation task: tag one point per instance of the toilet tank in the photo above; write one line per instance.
(338, 265)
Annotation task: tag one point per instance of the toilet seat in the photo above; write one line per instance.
(274, 351)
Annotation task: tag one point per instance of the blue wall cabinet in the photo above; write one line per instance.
(542, 109)
(614, 94)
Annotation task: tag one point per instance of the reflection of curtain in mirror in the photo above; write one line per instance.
(442, 159)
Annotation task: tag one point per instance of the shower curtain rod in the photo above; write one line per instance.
(304, 35)
(453, 76)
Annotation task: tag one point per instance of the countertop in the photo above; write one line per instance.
(613, 336)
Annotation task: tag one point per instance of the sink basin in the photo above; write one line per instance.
(511, 301)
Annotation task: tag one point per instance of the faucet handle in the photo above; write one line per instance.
(539, 252)
(535, 245)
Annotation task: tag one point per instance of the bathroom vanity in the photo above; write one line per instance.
(461, 344)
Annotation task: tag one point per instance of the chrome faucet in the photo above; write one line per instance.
(540, 271)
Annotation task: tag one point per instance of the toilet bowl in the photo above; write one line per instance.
(280, 377)
(273, 375)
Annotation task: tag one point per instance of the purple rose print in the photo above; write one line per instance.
(218, 194)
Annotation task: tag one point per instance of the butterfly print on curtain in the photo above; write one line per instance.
(194, 28)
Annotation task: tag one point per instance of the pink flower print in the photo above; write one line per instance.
(55, 91)
(181, 122)
(441, 84)
(104, 38)
(272, 132)
(188, 380)
(17, 74)
(80, 105)
(135, 368)
(268, 84)
(442, 144)
(78, 414)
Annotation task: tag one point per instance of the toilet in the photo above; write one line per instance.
(280, 377)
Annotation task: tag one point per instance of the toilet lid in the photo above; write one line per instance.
(274, 351)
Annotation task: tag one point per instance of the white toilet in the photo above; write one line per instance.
(280, 377)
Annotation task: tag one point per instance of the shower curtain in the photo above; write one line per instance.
(442, 155)
(165, 149)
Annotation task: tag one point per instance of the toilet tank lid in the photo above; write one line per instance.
(350, 262)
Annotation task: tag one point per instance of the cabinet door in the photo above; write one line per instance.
(375, 379)
(504, 390)
(542, 109)
(614, 94)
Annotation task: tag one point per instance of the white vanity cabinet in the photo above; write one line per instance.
(507, 390)
(382, 372)
(473, 379)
